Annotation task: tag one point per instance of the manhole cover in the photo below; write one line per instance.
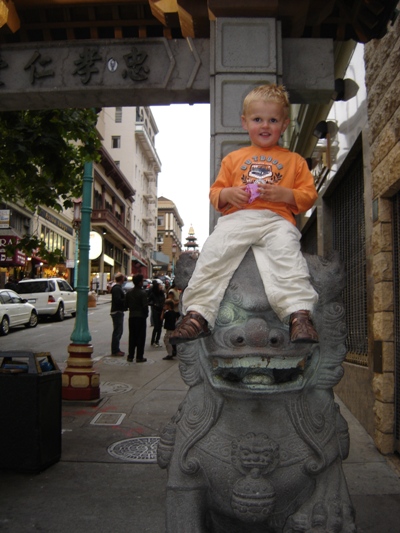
(139, 450)
(108, 387)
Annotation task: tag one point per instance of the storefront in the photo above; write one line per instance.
(13, 266)
(58, 235)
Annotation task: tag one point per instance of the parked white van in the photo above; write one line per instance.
(51, 296)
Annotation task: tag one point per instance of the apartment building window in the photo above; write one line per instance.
(118, 255)
(109, 248)
(55, 241)
(116, 141)
(118, 114)
(97, 200)
(160, 238)
(160, 220)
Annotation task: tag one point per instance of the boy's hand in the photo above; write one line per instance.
(275, 193)
(235, 196)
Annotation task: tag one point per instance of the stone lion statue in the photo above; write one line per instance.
(257, 445)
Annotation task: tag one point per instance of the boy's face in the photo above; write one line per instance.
(265, 122)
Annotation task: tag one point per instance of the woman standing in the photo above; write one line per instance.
(156, 301)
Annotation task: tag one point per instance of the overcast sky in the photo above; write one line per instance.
(183, 146)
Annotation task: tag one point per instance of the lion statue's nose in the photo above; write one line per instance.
(258, 334)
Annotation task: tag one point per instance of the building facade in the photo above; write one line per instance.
(169, 236)
(128, 135)
(356, 164)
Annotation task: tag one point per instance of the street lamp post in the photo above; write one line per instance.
(173, 259)
(79, 380)
(76, 223)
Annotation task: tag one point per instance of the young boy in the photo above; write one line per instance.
(170, 316)
(258, 190)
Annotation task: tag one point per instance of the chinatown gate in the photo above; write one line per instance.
(240, 54)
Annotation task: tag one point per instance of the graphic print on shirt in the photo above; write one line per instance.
(261, 170)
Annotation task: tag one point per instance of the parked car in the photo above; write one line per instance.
(51, 296)
(15, 311)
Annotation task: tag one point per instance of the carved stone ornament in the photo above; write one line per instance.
(257, 445)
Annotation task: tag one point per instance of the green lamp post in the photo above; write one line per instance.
(79, 380)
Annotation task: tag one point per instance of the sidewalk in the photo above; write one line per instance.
(107, 480)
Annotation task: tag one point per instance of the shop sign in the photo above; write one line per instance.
(56, 221)
(96, 245)
(4, 218)
(19, 258)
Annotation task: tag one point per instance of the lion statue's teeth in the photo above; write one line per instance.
(258, 379)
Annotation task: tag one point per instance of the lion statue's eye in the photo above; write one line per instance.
(228, 315)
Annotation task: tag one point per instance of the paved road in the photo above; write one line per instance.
(54, 337)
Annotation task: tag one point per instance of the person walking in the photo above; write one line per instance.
(156, 299)
(117, 314)
(136, 302)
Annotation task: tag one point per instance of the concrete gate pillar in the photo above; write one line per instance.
(245, 52)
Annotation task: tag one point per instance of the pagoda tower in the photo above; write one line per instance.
(191, 244)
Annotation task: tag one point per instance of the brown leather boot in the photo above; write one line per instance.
(193, 326)
(301, 327)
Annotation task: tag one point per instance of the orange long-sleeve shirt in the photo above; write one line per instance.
(276, 165)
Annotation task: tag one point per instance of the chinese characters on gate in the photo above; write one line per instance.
(40, 66)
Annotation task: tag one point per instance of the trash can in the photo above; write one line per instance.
(30, 411)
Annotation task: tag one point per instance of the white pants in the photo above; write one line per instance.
(276, 246)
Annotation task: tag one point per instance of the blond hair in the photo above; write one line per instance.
(268, 93)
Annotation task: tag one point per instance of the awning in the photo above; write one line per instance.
(109, 260)
(137, 260)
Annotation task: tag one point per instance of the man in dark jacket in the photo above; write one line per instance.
(117, 314)
(136, 302)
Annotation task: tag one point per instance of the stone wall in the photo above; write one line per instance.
(382, 63)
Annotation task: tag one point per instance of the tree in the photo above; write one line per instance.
(42, 156)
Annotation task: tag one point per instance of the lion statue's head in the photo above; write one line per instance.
(249, 351)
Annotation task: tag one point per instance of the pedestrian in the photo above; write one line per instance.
(258, 190)
(11, 284)
(117, 314)
(156, 299)
(169, 317)
(174, 295)
(136, 302)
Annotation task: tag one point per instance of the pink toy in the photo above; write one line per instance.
(252, 188)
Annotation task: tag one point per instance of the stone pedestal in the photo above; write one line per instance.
(258, 443)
